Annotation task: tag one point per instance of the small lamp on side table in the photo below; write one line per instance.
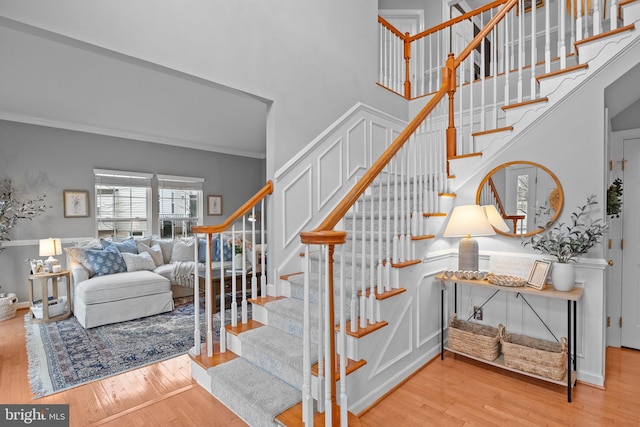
(467, 221)
(50, 247)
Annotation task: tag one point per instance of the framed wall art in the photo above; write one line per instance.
(214, 205)
(76, 203)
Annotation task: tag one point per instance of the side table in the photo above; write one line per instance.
(44, 281)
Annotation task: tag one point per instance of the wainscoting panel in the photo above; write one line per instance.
(330, 167)
(356, 147)
(296, 205)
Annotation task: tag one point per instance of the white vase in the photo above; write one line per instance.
(563, 276)
(238, 261)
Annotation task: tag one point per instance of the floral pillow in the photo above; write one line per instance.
(104, 262)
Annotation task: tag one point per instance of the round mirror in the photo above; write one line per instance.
(527, 195)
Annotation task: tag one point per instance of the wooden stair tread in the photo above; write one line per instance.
(218, 358)
(361, 332)
(352, 366)
(292, 417)
(243, 327)
(464, 156)
(603, 35)
(263, 300)
(428, 214)
(424, 237)
(564, 70)
(525, 103)
(406, 263)
(384, 295)
(490, 131)
(287, 276)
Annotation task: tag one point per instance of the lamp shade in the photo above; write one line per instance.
(495, 219)
(468, 220)
(50, 247)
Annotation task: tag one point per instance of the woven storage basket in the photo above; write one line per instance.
(8, 307)
(474, 339)
(545, 358)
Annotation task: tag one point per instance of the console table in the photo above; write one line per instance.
(44, 280)
(572, 297)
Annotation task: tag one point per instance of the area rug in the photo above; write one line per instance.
(63, 354)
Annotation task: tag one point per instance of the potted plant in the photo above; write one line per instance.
(566, 242)
(12, 210)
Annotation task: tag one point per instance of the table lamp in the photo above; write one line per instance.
(50, 247)
(467, 221)
(495, 219)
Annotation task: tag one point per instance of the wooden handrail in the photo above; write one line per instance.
(314, 237)
(484, 32)
(455, 20)
(390, 27)
(242, 210)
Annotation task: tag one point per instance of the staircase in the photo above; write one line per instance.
(271, 372)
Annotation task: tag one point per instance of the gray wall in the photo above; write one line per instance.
(40, 160)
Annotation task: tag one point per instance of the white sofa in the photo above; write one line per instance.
(139, 278)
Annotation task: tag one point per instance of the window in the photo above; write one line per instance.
(122, 203)
(179, 205)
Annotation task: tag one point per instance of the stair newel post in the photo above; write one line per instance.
(263, 269)
(342, 334)
(196, 292)
(407, 60)
(449, 79)
(223, 332)
(328, 239)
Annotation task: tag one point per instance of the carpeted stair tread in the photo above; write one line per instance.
(277, 352)
(255, 395)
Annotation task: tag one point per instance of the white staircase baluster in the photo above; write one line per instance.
(320, 402)
(307, 399)
(520, 49)
(234, 304)
(209, 311)
(507, 62)
(597, 18)
(483, 79)
(363, 294)
(613, 14)
(494, 73)
(578, 20)
(534, 51)
(342, 345)
(263, 254)
(562, 48)
(326, 329)
(196, 292)
(430, 65)
(371, 266)
(223, 332)
(472, 70)
(547, 37)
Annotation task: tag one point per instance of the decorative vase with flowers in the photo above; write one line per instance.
(566, 242)
(239, 246)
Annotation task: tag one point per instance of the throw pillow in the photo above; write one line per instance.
(106, 261)
(135, 262)
(215, 249)
(166, 245)
(155, 251)
(182, 250)
(127, 245)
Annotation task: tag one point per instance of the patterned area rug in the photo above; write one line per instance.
(63, 354)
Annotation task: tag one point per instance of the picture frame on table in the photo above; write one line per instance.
(214, 205)
(76, 203)
(538, 275)
(37, 266)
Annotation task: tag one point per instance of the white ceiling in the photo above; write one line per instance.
(52, 80)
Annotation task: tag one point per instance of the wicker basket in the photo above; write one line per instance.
(545, 358)
(474, 339)
(8, 307)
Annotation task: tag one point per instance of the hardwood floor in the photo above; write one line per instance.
(453, 392)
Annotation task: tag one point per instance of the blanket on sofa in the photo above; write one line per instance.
(182, 273)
